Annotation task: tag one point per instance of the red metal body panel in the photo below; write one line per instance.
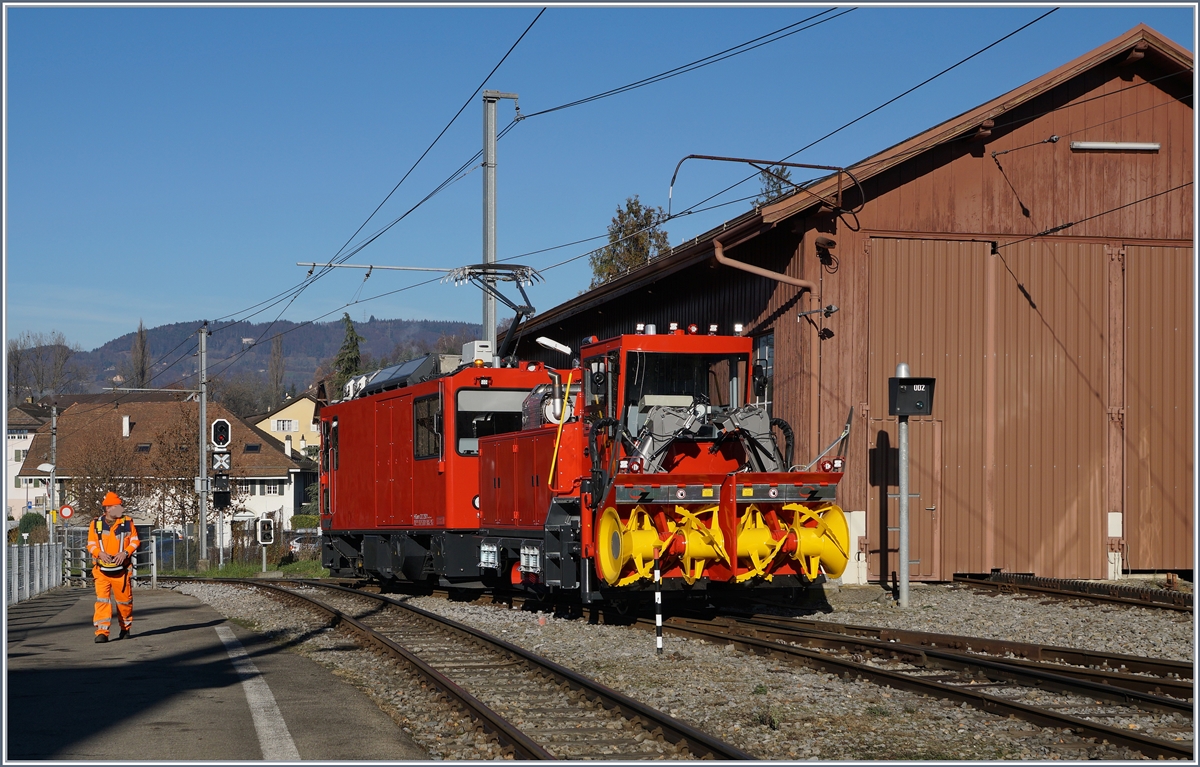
(383, 482)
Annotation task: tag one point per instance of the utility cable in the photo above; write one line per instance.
(1069, 224)
(889, 101)
(745, 47)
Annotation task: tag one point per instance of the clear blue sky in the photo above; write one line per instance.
(170, 164)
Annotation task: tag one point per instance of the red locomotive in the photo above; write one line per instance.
(525, 477)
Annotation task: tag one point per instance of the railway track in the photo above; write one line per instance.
(1132, 596)
(536, 708)
(1157, 676)
(1079, 700)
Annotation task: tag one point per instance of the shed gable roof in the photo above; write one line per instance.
(1141, 41)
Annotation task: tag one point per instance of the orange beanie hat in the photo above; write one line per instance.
(112, 499)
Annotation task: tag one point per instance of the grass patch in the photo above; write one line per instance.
(768, 717)
(760, 690)
(304, 568)
(877, 711)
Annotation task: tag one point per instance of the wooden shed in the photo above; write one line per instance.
(1034, 255)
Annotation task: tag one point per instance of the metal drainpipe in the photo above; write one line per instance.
(719, 252)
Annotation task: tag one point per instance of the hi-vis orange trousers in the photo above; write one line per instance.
(119, 588)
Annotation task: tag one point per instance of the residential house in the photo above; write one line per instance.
(292, 422)
(150, 451)
(22, 494)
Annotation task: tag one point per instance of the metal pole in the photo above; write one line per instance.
(902, 372)
(489, 207)
(264, 553)
(53, 465)
(202, 477)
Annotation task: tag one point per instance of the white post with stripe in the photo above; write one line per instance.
(657, 605)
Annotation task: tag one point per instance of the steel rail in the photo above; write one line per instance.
(1082, 590)
(1147, 745)
(673, 730)
(929, 657)
(506, 732)
(1159, 667)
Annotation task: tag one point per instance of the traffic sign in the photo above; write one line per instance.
(220, 461)
(66, 511)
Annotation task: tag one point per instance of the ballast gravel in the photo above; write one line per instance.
(765, 706)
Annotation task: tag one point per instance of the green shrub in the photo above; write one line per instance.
(303, 521)
(30, 521)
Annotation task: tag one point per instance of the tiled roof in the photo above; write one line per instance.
(83, 427)
(26, 416)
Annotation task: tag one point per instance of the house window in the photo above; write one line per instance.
(314, 427)
(253, 447)
(284, 424)
(272, 488)
(245, 487)
(142, 447)
(427, 413)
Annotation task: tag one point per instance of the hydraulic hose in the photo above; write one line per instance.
(600, 477)
(789, 440)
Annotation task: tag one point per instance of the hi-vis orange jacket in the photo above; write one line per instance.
(112, 538)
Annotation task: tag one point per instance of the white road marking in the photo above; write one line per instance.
(273, 736)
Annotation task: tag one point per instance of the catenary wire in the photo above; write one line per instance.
(888, 102)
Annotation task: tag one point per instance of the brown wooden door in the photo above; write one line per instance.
(924, 503)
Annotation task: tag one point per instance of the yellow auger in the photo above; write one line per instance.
(756, 543)
(695, 537)
(823, 546)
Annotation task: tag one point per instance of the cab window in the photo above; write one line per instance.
(484, 412)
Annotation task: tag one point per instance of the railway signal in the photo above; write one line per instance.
(221, 492)
(220, 461)
(221, 432)
(266, 531)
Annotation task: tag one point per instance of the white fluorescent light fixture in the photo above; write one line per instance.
(1115, 146)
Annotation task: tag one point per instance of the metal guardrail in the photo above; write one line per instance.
(33, 569)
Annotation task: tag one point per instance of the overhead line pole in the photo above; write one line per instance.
(202, 477)
(489, 209)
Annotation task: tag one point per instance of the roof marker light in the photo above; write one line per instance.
(641, 328)
(673, 327)
(712, 329)
(693, 329)
(737, 328)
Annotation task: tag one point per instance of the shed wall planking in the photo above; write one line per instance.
(1159, 407)
(1031, 184)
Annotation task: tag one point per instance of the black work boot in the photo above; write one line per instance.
(101, 638)
(124, 634)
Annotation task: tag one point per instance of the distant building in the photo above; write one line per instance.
(292, 423)
(23, 493)
(146, 436)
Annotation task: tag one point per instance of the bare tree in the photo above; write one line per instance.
(241, 393)
(275, 371)
(18, 367)
(50, 365)
(105, 467)
(139, 360)
(171, 468)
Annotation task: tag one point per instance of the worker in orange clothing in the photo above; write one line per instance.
(112, 540)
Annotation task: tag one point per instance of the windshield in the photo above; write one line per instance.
(680, 380)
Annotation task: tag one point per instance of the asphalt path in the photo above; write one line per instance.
(187, 685)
